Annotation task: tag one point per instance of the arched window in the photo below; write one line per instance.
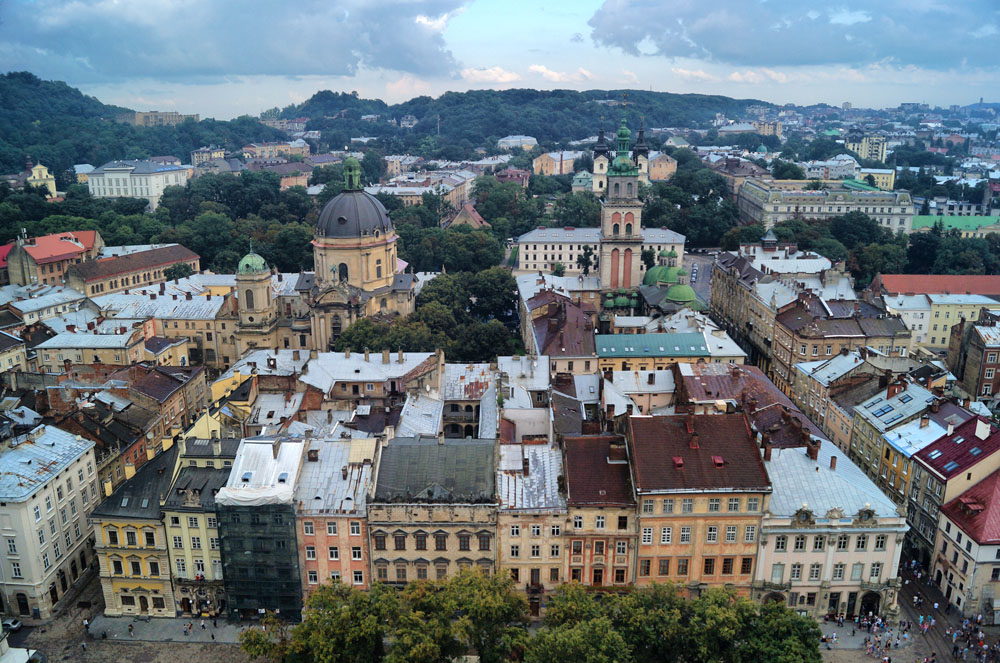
(628, 188)
(248, 298)
(628, 228)
(335, 326)
(342, 271)
(378, 269)
(615, 229)
(617, 186)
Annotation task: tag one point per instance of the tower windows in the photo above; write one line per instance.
(616, 229)
(342, 271)
(248, 298)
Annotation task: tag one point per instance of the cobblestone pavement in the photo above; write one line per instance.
(160, 629)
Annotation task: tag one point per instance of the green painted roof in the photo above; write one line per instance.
(651, 345)
(680, 294)
(661, 274)
(958, 222)
(858, 185)
(251, 264)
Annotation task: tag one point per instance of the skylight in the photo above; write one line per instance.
(950, 466)
(975, 451)
(905, 398)
(934, 454)
(959, 439)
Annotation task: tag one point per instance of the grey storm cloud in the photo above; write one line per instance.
(934, 34)
(106, 40)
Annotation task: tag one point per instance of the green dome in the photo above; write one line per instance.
(661, 274)
(762, 149)
(609, 302)
(664, 253)
(623, 130)
(672, 254)
(251, 264)
(622, 291)
(621, 301)
(634, 301)
(681, 294)
(681, 272)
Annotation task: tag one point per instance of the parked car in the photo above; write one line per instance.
(12, 625)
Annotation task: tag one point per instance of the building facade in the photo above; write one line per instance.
(135, 179)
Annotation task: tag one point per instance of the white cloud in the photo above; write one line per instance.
(579, 75)
(987, 30)
(847, 17)
(630, 77)
(490, 75)
(439, 23)
(693, 74)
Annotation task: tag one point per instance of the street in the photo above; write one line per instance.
(701, 285)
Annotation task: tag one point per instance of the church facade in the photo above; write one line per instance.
(356, 276)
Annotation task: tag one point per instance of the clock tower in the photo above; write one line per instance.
(621, 220)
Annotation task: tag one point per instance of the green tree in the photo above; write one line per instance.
(585, 260)
(177, 271)
(784, 170)
(578, 210)
(493, 617)
(591, 641)
(558, 269)
(649, 258)
(344, 625)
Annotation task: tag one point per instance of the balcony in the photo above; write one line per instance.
(534, 588)
(460, 416)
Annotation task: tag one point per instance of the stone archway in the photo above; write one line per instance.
(774, 597)
(870, 604)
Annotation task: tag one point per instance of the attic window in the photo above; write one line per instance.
(719, 462)
(934, 454)
(270, 414)
(975, 451)
(950, 466)
(283, 477)
(124, 502)
(145, 502)
(246, 477)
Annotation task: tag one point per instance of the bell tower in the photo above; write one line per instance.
(621, 219)
(257, 308)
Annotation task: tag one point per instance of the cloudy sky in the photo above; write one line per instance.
(224, 58)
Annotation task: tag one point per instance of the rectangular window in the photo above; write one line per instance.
(515, 530)
(192, 521)
(819, 541)
(313, 577)
(196, 543)
(310, 552)
(331, 528)
(647, 506)
(307, 527)
(647, 535)
(355, 528)
(730, 533)
(666, 535)
(880, 541)
(876, 570)
(714, 503)
(399, 542)
(857, 570)
(685, 535)
(814, 571)
(577, 522)
(420, 541)
(621, 547)
(356, 553)
(746, 566)
(484, 542)
(709, 566)
(667, 506)
(463, 542)
(800, 543)
(712, 534)
(862, 543)
(780, 543)
(333, 553)
(556, 530)
(130, 538)
(682, 566)
(554, 550)
(687, 505)
(622, 522)
(750, 534)
(734, 504)
(796, 572)
(843, 541)
(663, 567)
(379, 541)
(727, 566)
(777, 573)
(838, 571)
(440, 542)
(599, 522)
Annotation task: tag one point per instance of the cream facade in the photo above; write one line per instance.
(135, 179)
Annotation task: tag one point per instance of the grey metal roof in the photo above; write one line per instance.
(139, 497)
(137, 167)
(37, 458)
(164, 308)
(206, 481)
(883, 413)
(322, 487)
(593, 235)
(426, 469)
(88, 341)
(421, 415)
(539, 489)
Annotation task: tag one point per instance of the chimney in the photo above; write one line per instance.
(525, 466)
(689, 423)
(347, 353)
(187, 296)
(366, 354)
(329, 416)
(935, 406)
(833, 463)
(152, 296)
(896, 387)
(216, 446)
(275, 447)
(441, 438)
(312, 455)
(813, 450)
(71, 328)
(385, 356)
(611, 410)
(925, 421)
(295, 355)
(982, 429)
(401, 356)
(951, 429)
(343, 472)
(693, 442)
(767, 450)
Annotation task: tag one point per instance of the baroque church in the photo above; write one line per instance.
(357, 275)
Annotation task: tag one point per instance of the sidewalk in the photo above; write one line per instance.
(857, 641)
(160, 629)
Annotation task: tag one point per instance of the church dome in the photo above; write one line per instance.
(661, 274)
(621, 301)
(354, 213)
(252, 263)
(681, 294)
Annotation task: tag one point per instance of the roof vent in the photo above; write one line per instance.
(678, 462)
(246, 477)
(283, 477)
(719, 462)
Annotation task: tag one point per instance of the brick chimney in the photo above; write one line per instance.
(896, 387)
(693, 442)
(833, 463)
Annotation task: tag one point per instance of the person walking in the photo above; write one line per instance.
(131, 631)
(203, 625)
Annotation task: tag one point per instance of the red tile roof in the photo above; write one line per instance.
(597, 471)
(922, 284)
(4, 250)
(941, 453)
(664, 460)
(60, 246)
(94, 270)
(977, 511)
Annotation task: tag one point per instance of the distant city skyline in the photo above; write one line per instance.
(228, 58)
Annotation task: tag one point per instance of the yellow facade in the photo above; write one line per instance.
(134, 567)
(646, 363)
(885, 178)
(14, 358)
(40, 176)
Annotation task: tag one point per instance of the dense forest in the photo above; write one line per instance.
(59, 126)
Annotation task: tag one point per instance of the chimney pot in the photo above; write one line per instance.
(833, 462)
(767, 451)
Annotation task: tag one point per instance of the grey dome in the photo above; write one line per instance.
(353, 214)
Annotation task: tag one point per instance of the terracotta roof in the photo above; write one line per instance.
(895, 284)
(977, 511)
(724, 456)
(597, 471)
(564, 331)
(953, 454)
(60, 246)
(94, 270)
(4, 250)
